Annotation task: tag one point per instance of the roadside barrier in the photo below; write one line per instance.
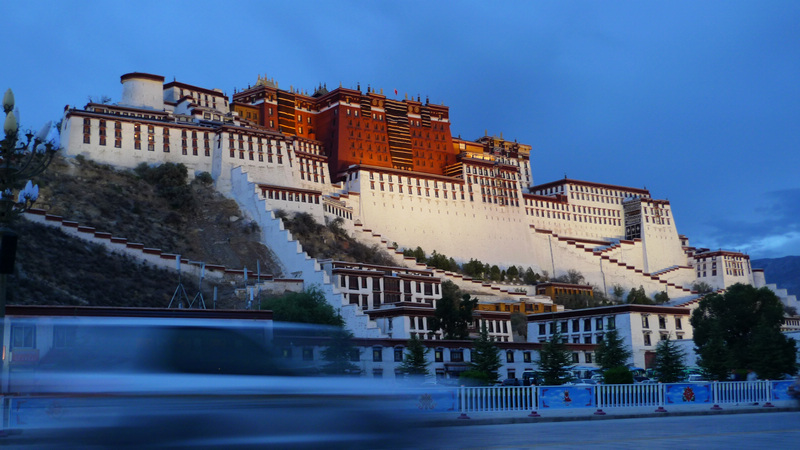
(661, 396)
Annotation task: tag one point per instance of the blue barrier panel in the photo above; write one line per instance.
(687, 393)
(566, 396)
(779, 390)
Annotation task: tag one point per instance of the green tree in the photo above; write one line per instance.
(638, 297)
(669, 362)
(701, 287)
(419, 254)
(617, 293)
(740, 329)
(337, 353)
(519, 324)
(554, 360)
(453, 312)
(440, 261)
(485, 363)
(415, 361)
(611, 351)
(308, 306)
(661, 297)
(494, 273)
(530, 277)
(512, 273)
(572, 277)
(474, 268)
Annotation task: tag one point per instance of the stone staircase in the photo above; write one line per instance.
(294, 260)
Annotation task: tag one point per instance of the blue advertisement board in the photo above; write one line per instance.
(566, 396)
(432, 400)
(687, 393)
(780, 390)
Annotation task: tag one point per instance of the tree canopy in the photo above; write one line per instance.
(485, 365)
(453, 312)
(639, 297)
(415, 361)
(338, 353)
(740, 330)
(308, 306)
(554, 360)
(669, 362)
(611, 351)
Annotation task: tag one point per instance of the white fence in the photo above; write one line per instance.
(709, 395)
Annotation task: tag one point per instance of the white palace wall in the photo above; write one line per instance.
(483, 213)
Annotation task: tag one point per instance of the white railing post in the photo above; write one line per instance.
(600, 392)
(715, 395)
(660, 394)
(462, 392)
(534, 400)
(767, 392)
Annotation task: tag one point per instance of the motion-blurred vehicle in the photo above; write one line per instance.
(198, 383)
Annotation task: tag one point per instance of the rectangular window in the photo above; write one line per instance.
(23, 336)
(137, 136)
(575, 358)
(599, 322)
(398, 354)
(438, 355)
(588, 357)
(87, 130)
(377, 354)
(118, 134)
(678, 325)
(647, 339)
(456, 355)
(526, 357)
(510, 356)
(308, 354)
(645, 321)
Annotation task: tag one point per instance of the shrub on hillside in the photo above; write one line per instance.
(170, 181)
(204, 178)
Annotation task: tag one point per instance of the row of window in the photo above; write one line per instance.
(563, 326)
(279, 194)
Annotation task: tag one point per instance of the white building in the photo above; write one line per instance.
(641, 328)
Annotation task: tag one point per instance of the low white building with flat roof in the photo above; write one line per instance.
(641, 327)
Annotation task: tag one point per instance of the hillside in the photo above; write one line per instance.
(194, 221)
(785, 272)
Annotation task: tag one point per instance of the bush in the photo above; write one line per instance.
(204, 178)
(618, 375)
(170, 181)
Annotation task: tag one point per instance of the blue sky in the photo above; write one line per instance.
(697, 101)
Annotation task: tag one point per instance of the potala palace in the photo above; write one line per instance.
(392, 170)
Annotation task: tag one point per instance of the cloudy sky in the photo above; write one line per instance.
(698, 101)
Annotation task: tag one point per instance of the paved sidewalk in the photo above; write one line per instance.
(565, 414)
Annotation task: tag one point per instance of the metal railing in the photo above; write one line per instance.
(696, 394)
